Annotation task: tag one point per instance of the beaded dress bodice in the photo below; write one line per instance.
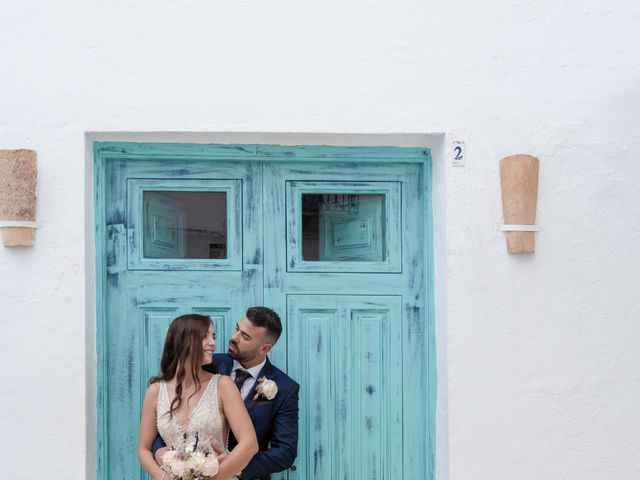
(205, 422)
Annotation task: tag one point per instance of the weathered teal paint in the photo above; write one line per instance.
(348, 349)
(141, 296)
(376, 417)
(430, 344)
(358, 279)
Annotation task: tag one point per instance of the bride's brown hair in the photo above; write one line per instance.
(182, 345)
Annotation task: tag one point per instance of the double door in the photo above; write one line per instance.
(337, 248)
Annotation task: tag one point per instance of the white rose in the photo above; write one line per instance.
(179, 468)
(168, 456)
(195, 461)
(269, 389)
(210, 466)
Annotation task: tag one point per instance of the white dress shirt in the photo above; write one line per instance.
(251, 380)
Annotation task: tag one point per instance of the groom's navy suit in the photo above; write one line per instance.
(275, 421)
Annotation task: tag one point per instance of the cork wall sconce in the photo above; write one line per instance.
(18, 175)
(519, 182)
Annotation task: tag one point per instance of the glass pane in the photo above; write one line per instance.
(343, 227)
(185, 224)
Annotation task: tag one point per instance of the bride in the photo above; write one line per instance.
(187, 405)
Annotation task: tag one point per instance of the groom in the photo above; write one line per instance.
(272, 403)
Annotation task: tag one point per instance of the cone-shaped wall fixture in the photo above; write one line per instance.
(519, 182)
(18, 174)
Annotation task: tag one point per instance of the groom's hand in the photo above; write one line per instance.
(158, 455)
(221, 453)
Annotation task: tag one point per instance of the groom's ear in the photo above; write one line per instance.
(266, 348)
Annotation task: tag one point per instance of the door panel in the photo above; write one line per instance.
(353, 301)
(143, 295)
(341, 312)
(155, 323)
(348, 350)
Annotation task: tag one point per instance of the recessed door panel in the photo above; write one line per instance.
(348, 350)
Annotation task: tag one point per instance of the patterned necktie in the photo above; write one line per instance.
(241, 377)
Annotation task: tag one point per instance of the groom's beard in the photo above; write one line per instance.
(236, 354)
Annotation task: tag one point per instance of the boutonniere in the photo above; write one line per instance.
(266, 388)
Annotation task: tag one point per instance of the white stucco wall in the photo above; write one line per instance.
(538, 356)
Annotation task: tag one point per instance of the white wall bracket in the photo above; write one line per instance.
(518, 228)
(18, 224)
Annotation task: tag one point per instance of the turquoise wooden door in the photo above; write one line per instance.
(178, 238)
(355, 302)
(337, 248)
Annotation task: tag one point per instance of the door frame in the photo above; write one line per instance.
(104, 152)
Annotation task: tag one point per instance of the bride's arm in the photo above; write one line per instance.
(233, 408)
(148, 433)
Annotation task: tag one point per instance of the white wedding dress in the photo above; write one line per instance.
(206, 424)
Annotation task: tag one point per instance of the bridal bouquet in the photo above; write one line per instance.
(190, 464)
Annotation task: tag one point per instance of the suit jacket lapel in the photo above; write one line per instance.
(266, 371)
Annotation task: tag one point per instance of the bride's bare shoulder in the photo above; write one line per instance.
(153, 388)
(225, 382)
(226, 387)
(151, 396)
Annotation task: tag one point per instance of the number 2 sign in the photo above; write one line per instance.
(458, 154)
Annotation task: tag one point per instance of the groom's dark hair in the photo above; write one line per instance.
(266, 318)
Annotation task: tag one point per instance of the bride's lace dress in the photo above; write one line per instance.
(205, 422)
